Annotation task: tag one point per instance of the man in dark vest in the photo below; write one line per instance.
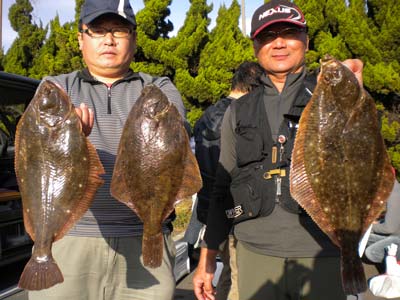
(281, 252)
(207, 133)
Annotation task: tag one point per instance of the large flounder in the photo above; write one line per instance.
(340, 172)
(58, 174)
(155, 167)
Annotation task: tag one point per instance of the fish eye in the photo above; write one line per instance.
(47, 103)
(50, 100)
(336, 73)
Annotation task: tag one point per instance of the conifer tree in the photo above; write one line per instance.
(183, 51)
(30, 39)
(152, 32)
(60, 53)
(225, 50)
(382, 75)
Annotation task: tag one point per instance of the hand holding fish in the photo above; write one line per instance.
(87, 118)
(356, 66)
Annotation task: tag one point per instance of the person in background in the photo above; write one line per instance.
(207, 133)
(100, 257)
(387, 231)
(281, 253)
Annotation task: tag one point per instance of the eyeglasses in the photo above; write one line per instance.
(98, 32)
(289, 33)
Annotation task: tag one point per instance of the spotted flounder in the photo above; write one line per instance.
(58, 172)
(340, 172)
(155, 167)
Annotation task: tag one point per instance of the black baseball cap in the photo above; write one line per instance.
(92, 9)
(276, 11)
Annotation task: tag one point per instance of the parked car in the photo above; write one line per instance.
(15, 93)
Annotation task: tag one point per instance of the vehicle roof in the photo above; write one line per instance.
(16, 89)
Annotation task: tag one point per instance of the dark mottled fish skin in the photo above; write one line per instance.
(341, 173)
(155, 167)
(58, 174)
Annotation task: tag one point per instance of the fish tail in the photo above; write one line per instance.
(152, 250)
(40, 275)
(353, 276)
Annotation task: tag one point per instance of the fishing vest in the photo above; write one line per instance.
(260, 179)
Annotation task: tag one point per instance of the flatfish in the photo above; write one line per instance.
(341, 172)
(155, 167)
(58, 174)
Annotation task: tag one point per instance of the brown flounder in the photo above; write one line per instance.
(58, 174)
(340, 172)
(155, 167)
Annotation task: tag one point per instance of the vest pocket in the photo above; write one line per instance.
(247, 194)
(249, 145)
(247, 201)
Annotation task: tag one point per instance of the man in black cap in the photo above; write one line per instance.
(100, 258)
(281, 252)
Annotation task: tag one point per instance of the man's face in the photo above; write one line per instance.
(107, 56)
(281, 47)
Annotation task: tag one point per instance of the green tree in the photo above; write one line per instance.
(30, 39)
(152, 33)
(224, 51)
(163, 56)
(60, 53)
(391, 132)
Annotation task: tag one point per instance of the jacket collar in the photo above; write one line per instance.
(86, 76)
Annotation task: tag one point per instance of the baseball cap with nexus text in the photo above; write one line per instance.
(276, 11)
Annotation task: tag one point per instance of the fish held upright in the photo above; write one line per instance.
(155, 167)
(341, 172)
(58, 172)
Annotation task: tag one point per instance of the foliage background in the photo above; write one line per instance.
(201, 61)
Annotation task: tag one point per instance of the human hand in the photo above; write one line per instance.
(202, 284)
(203, 277)
(392, 249)
(356, 66)
(87, 118)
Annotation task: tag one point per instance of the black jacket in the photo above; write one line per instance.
(207, 135)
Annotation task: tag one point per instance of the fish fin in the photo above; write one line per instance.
(386, 179)
(152, 250)
(40, 275)
(120, 191)
(28, 226)
(191, 181)
(353, 276)
(118, 188)
(94, 181)
(384, 190)
(300, 186)
(27, 222)
(363, 118)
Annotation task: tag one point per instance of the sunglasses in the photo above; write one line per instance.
(289, 33)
